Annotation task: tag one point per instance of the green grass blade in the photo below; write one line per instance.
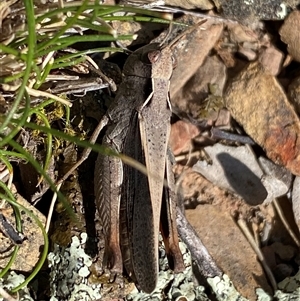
(29, 59)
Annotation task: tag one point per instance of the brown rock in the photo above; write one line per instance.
(240, 34)
(282, 271)
(189, 53)
(201, 95)
(294, 93)
(229, 248)
(271, 58)
(257, 101)
(285, 252)
(269, 255)
(289, 33)
(181, 136)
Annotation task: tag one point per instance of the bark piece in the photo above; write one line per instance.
(257, 101)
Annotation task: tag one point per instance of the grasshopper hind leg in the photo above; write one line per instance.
(108, 181)
(168, 220)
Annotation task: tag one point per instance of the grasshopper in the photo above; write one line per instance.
(147, 205)
(129, 203)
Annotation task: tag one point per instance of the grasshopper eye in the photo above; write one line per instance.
(154, 56)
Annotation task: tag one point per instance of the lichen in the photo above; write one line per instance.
(12, 280)
(224, 289)
(70, 271)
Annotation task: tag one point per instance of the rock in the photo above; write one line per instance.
(188, 53)
(289, 33)
(229, 248)
(235, 169)
(201, 95)
(257, 101)
(282, 271)
(191, 4)
(285, 252)
(181, 136)
(269, 255)
(296, 201)
(32, 246)
(250, 11)
(294, 93)
(271, 58)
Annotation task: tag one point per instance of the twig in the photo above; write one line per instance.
(258, 252)
(37, 93)
(51, 209)
(285, 222)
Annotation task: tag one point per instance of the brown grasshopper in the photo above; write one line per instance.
(146, 204)
(140, 129)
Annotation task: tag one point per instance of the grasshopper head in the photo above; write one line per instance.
(162, 63)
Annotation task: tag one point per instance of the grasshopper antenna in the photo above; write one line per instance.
(191, 28)
(167, 35)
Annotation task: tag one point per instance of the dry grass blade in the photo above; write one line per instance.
(243, 226)
(7, 296)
